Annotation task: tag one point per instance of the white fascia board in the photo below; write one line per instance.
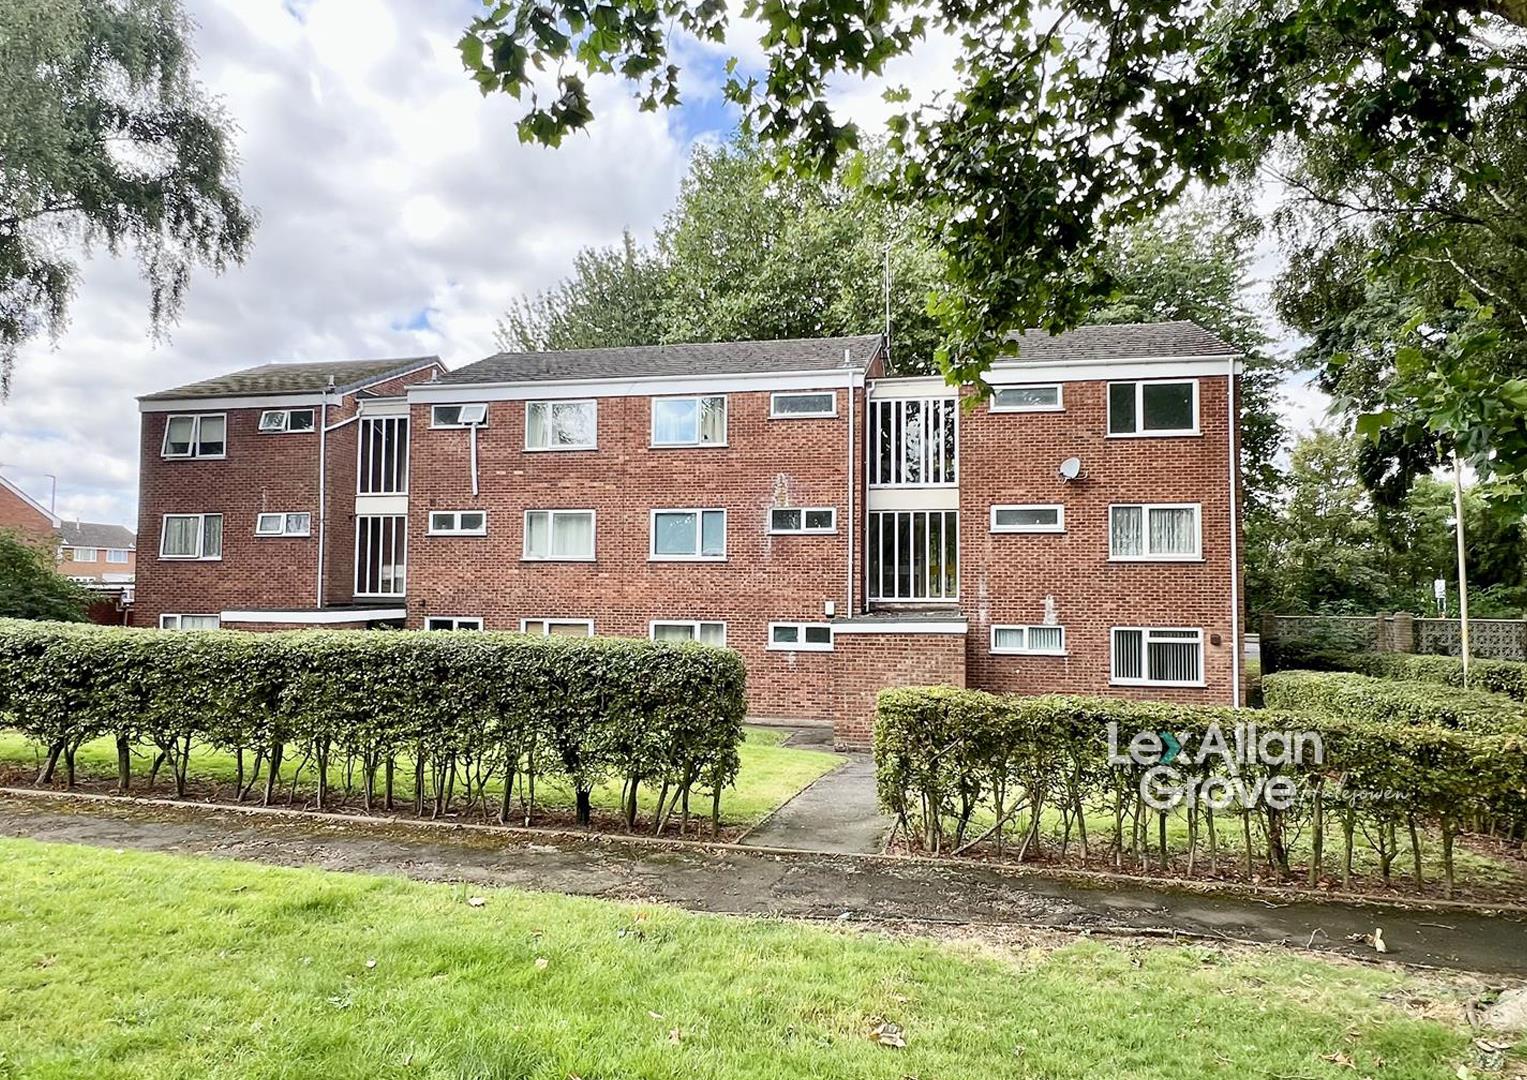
(223, 404)
(879, 626)
(651, 386)
(1020, 373)
(311, 617)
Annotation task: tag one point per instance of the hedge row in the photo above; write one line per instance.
(458, 709)
(942, 755)
(1392, 701)
(1508, 677)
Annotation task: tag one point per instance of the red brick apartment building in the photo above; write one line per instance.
(843, 529)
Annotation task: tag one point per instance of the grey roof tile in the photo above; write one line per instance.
(646, 361)
(95, 534)
(268, 380)
(1121, 341)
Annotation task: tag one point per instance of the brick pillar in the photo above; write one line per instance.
(1381, 631)
(1403, 632)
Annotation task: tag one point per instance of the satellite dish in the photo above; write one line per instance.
(1071, 468)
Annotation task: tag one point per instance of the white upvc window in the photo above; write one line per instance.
(116, 555)
(191, 536)
(202, 435)
(800, 637)
(914, 442)
(913, 555)
(558, 627)
(802, 404)
(1157, 656)
(458, 523)
(474, 414)
(189, 622)
(688, 535)
(382, 446)
(559, 535)
(277, 421)
(278, 524)
(562, 425)
(803, 519)
(1045, 397)
(1028, 518)
(452, 622)
(1040, 640)
(707, 633)
(1153, 407)
(381, 554)
(83, 554)
(1164, 532)
(689, 421)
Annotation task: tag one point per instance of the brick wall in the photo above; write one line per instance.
(869, 663)
(19, 516)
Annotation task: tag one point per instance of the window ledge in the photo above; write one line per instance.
(1157, 559)
(1028, 532)
(686, 558)
(190, 558)
(574, 559)
(688, 446)
(995, 409)
(1026, 652)
(798, 648)
(470, 535)
(193, 457)
(1151, 682)
(560, 449)
(1184, 434)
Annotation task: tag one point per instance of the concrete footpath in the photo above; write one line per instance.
(744, 880)
(837, 813)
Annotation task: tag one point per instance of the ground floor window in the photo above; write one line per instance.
(710, 633)
(914, 554)
(452, 622)
(800, 637)
(189, 622)
(558, 627)
(1158, 656)
(1029, 640)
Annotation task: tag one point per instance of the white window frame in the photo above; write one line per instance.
(800, 644)
(726, 420)
(552, 514)
(125, 554)
(693, 624)
(548, 623)
(1002, 650)
(804, 530)
(936, 415)
(285, 529)
(1059, 406)
(775, 414)
(1140, 432)
(456, 528)
(699, 512)
(1145, 655)
(196, 418)
(949, 521)
(201, 538)
(397, 526)
(1145, 532)
(457, 622)
(463, 406)
(392, 432)
(171, 621)
(592, 403)
(1058, 527)
(286, 422)
(95, 553)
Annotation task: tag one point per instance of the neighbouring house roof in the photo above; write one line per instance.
(295, 378)
(95, 534)
(1122, 341)
(646, 361)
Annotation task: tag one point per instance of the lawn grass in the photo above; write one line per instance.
(770, 775)
(123, 964)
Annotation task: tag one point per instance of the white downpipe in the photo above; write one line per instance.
(1463, 570)
(473, 429)
(852, 483)
(323, 518)
(1235, 555)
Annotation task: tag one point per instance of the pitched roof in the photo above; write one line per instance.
(1121, 341)
(95, 534)
(646, 361)
(30, 502)
(295, 378)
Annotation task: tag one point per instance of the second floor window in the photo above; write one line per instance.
(297, 524)
(278, 420)
(561, 425)
(1153, 408)
(82, 554)
(1165, 531)
(116, 555)
(203, 436)
(914, 442)
(688, 534)
(559, 535)
(689, 421)
(383, 456)
(191, 536)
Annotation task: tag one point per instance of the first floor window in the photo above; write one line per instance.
(1158, 656)
(452, 622)
(708, 633)
(801, 637)
(797, 404)
(283, 524)
(84, 554)
(189, 622)
(1162, 531)
(458, 523)
(277, 420)
(689, 421)
(116, 555)
(1029, 640)
(561, 425)
(810, 519)
(192, 536)
(688, 534)
(195, 436)
(559, 535)
(1153, 408)
(558, 627)
(1028, 519)
(458, 415)
(914, 554)
(1026, 398)
(381, 554)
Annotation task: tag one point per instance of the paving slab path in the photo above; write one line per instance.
(742, 880)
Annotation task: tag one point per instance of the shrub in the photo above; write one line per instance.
(462, 708)
(1343, 694)
(1508, 677)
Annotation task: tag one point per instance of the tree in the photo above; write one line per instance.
(106, 139)
(615, 297)
(30, 587)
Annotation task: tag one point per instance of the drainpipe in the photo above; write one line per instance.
(1235, 568)
(852, 483)
(323, 439)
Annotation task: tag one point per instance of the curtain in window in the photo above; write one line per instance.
(212, 536)
(535, 424)
(537, 535)
(211, 435)
(573, 423)
(178, 434)
(713, 633)
(674, 420)
(1008, 637)
(180, 535)
(673, 632)
(1126, 535)
(1173, 531)
(713, 420)
(572, 536)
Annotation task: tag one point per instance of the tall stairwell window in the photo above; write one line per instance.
(914, 555)
(383, 456)
(381, 554)
(915, 442)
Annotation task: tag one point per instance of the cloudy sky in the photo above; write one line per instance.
(399, 214)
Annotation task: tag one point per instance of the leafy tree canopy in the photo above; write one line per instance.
(106, 139)
(30, 586)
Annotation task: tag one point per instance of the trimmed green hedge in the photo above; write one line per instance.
(1344, 694)
(943, 754)
(458, 708)
(1508, 677)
